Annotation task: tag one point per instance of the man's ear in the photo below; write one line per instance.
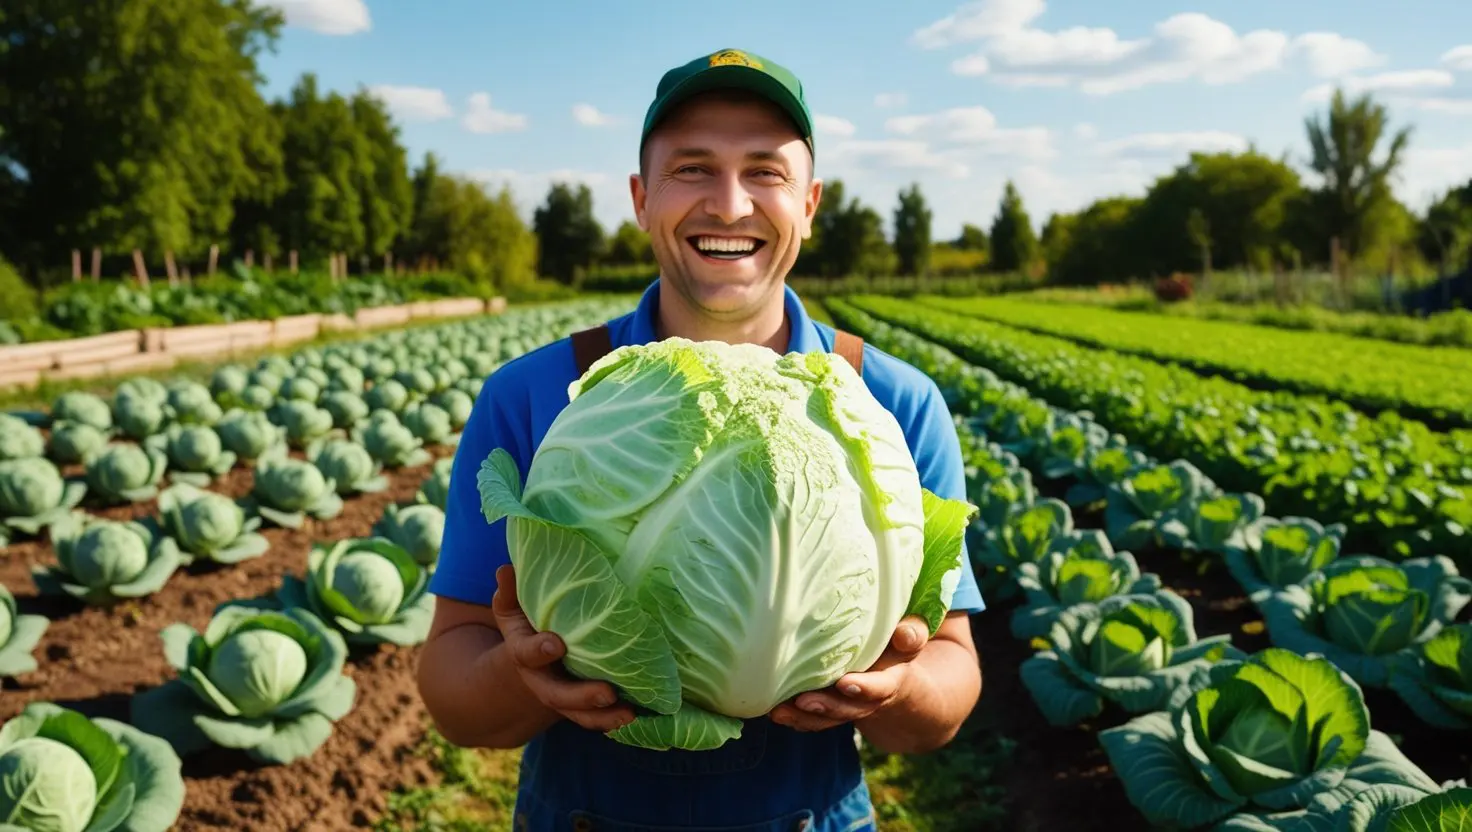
(639, 195)
(810, 206)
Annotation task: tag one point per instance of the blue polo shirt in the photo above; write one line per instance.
(514, 410)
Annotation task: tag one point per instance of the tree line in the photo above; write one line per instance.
(141, 125)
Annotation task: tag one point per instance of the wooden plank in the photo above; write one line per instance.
(10, 377)
(496, 305)
(139, 362)
(94, 355)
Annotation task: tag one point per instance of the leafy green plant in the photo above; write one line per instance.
(1274, 553)
(249, 434)
(79, 407)
(1384, 808)
(196, 454)
(63, 772)
(126, 473)
(390, 441)
(1138, 652)
(288, 490)
(417, 529)
(1434, 678)
(19, 635)
(193, 404)
(33, 496)
(1027, 535)
(208, 526)
(267, 682)
(1082, 568)
(102, 562)
(307, 425)
(1142, 502)
(141, 409)
(435, 490)
(1362, 611)
(368, 588)
(19, 439)
(73, 443)
(1213, 523)
(1274, 741)
(351, 467)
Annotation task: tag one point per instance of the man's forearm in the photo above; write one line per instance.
(944, 685)
(474, 696)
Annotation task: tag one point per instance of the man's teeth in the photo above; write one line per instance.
(726, 245)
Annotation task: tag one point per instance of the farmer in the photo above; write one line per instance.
(727, 191)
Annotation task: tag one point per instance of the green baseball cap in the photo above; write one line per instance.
(731, 69)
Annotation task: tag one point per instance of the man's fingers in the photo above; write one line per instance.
(564, 694)
(910, 636)
(874, 687)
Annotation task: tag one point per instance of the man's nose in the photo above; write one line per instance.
(729, 200)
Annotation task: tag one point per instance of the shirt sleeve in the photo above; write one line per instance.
(937, 451)
(471, 549)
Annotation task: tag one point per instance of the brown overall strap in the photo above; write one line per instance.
(589, 345)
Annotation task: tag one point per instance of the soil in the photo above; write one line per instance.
(94, 660)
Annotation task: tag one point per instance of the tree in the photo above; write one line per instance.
(384, 185)
(912, 219)
(130, 125)
(1101, 243)
(972, 238)
(1014, 244)
(1356, 185)
(570, 238)
(1445, 236)
(848, 239)
(629, 246)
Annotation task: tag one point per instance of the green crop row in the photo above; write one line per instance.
(1400, 488)
(1421, 382)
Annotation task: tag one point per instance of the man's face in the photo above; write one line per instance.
(728, 199)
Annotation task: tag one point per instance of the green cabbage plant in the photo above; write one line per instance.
(417, 529)
(126, 473)
(457, 404)
(368, 588)
(1276, 741)
(307, 425)
(430, 423)
(998, 485)
(1401, 809)
(435, 490)
(102, 562)
(63, 772)
(193, 404)
(1082, 568)
(387, 395)
(1274, 553)
(300, 389)
(19, 439)
(1141, 502)
(714, 528)
(196, 454)
(249, 434)
(351, 467)
(267, 682)
(34, 495)
(1026, 535)
(208, 526)
(1362, 611)
(287, 490)
(347, 408)
(1102, 468)
(19, 635)
(75, 443)
(1434, 678)
(79, 407)
(140, 408)
(390, 441)
(1138, 652)
(1214, 523)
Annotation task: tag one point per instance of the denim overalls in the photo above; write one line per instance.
(772, 779)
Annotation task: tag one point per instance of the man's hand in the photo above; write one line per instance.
(536, 657)
(857, 696)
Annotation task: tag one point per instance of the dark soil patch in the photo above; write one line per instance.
(94, 660)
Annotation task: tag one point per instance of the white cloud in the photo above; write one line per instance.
(1428, 172)
(326, 17)
(1330, 55)
(1085, 130)
(1154, 145)
(1400, 81)
(1099, 61)
(483, 118)
(866, 155)
(833, 125)
(886, 100)
(976, 128)
(1458, 58)
(414, 103)
(589, 116)
(611, 201)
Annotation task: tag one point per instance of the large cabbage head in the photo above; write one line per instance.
(1273, 553)
(714, 528)
(370, 589)
(1277, 733)
(126, 473)
(19, 439)
(63, 772)
(1435, 678)
(249, 433)
(104, 561)
(1363, 611)
(287, 489)
(33, 495)
(208, 525)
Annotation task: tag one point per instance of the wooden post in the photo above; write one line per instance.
(214, 258)
(266, 261)
(332, 266)
(96, 264)
(170, 269)
(188, 281)
(76, 265)
(250, 258)
(292, 258)
(388, 262)
(140, 270)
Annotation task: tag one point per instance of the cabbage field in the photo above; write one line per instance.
(1227, 576)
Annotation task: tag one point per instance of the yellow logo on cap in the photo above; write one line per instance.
(734, 57)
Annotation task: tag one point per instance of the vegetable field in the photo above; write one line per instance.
(1226, 569)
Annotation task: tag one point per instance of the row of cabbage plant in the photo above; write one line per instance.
(1217, 738)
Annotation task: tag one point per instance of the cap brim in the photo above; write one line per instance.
(736, 77)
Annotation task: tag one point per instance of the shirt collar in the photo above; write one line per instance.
(803, 336)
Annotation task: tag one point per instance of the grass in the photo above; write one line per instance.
(476, 791)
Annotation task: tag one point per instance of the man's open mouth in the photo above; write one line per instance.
(726, 248)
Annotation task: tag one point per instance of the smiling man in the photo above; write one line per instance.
(727, 191)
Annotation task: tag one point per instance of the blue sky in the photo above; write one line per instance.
(1072, 100)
